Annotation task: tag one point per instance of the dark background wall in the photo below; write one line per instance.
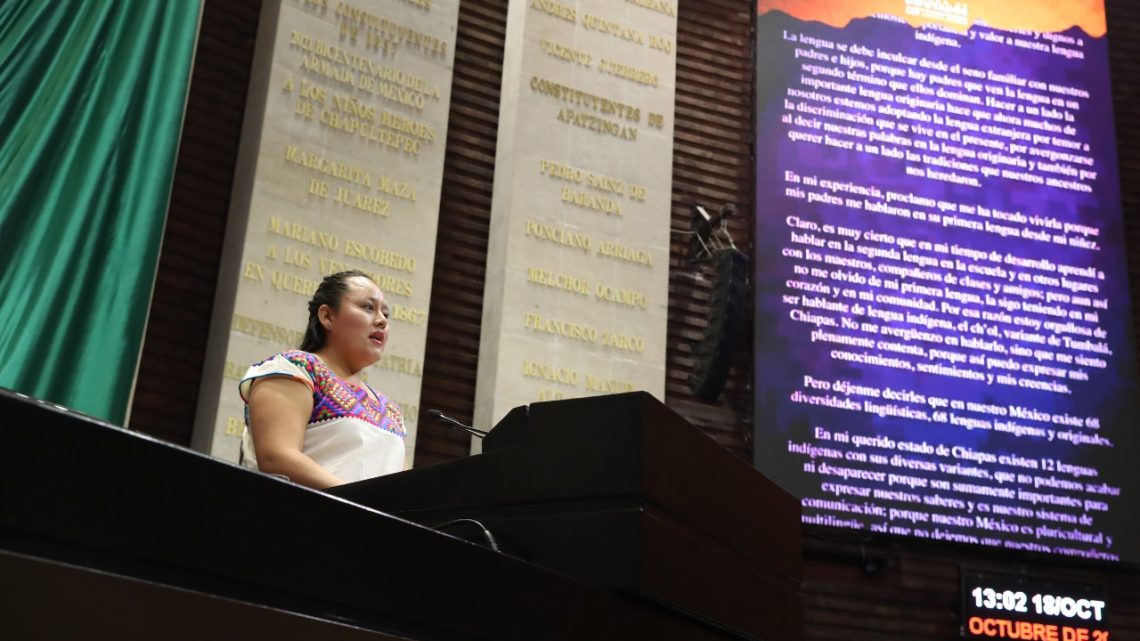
(855, 587)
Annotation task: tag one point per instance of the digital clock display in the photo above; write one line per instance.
(1032, 608)
(1047, 604)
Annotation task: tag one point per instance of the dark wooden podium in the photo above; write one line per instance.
(622, 493)
(108, 534)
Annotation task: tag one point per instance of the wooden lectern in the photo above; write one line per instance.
(109, 534)
(622, 493)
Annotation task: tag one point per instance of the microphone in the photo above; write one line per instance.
(440, 417)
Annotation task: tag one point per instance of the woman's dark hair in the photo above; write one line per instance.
(329, 292)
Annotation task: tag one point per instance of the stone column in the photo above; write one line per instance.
(577, 276)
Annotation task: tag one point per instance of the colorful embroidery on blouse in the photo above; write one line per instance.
(334, 398)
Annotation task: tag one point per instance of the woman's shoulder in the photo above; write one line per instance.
(305, 360)
(299, 365)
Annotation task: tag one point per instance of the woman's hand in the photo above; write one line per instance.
(279, 410)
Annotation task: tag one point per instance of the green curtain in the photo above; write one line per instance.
(92, 94)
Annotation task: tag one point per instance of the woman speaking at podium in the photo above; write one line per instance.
(309, 416)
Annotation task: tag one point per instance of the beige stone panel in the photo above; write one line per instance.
(555, 352)
(541, 26)
(523, 194)
(589, 309)
(522, 343)
(644, 23)
(543, 201)
(511, 394)
(638, 223)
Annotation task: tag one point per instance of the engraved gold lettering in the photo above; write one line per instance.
(318, 188)
(287, 282)
(391, 31)
(385, 81)
(409, 126)
(362, 202)
(640, 76)
(608, 385)
(574, 331)
(573, 174)
(597, 124)
(265, 331)
(296, 257)
(611, 28)
(313, 63)
(354, 106)
(558, 235)
(584, 200)
(305, 108)
(548, 394)
(660, 6)
(623, 342)
(347, 172)
(398, 188)
(605, 183)
(585, 99)
(661, 44)
(566, 53)
(315, 93)
(301, 233)
(401, 365)
(368, 131)
(560, 170)
(556, 9)
(410, 315)
(615, 250)
(392, 92)
(627, 297)
(253, 271)
(382, 257)
(546, 372)
(558, 281)
(234, 426)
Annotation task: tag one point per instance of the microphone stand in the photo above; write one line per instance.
(440, 417)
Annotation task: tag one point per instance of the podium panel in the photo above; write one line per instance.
(83, 500)
(622, 493)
